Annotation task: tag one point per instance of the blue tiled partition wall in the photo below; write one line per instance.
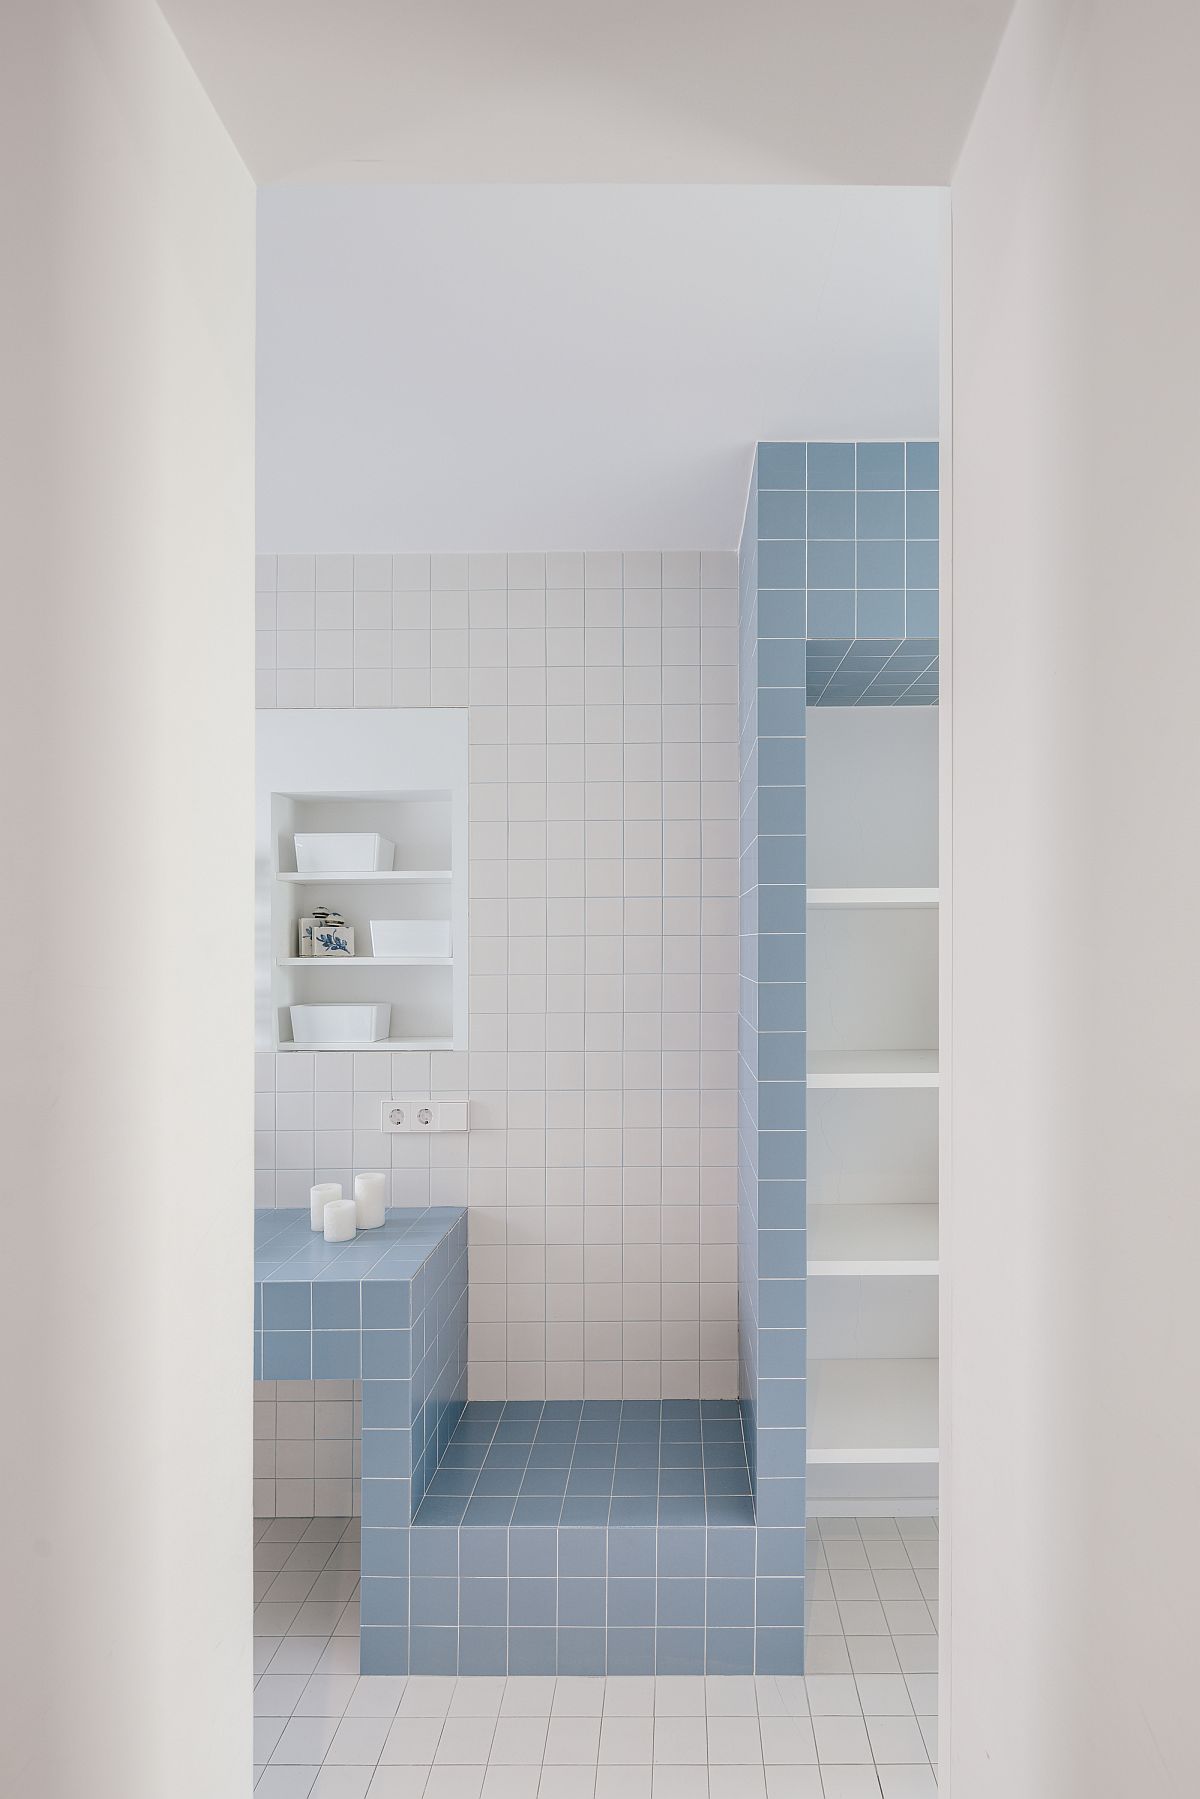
(771, 1242)
(838, 576)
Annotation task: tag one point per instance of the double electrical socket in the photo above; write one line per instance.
(423, 1114)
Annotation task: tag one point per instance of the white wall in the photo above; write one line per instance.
(1073, 1457)
(600, 692)
(453, 368)
(126, 829)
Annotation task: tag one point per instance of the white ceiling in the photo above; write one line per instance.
(594, 90)
(558, 367)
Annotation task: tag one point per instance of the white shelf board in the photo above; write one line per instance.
(392, 1043)
(375, 875)
(861, 1240)
(873, 1068)
(872, 896)
(872, 1411)
(365, 961)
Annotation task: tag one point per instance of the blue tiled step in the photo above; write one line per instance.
(592, 1462)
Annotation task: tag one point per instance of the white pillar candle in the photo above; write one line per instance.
(369, 1191)
(339, 1221)
(318, 1198)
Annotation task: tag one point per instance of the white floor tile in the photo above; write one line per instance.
(267, 1732)
(454, 1783)
(923, 1691)
(841, 1740)
(276, 1695)
(909, 1618)
(519, 1740)
(788, 1741)
(734, 1742)
(626, 1740)
(745, 1782)
(511, 1782)
(568, 1783)
(398, 1783)
(731, 1696)
(850, 1783)
(342, 1783)
(572, 1740)
(339, 1656)
(917, 1655)
(297, 1655)
(326, 1696)
(577, 1696)
(426, 1696)
(833, 1696)
(479, 1697)
(896, 1740)
(529, 1696)
(676, 1782)
(465, 1741)
(907, 1783)
(629, 1696)
(411, 1741)
(305, 1740)
(627, 1782)
(359, 1742)
(680, 1740)
(376, 1696)
(794, 1783)
(873, 1655)
(285, 1783)
(679, 1696)
(885, 1695)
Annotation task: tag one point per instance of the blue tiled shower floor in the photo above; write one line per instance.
(592, 1462)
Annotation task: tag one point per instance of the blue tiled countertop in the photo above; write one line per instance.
(325, 1311)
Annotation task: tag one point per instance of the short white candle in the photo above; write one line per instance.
(318, 1198)
(369, 1191)
(339, 1221)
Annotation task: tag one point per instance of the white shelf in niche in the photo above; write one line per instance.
(873, 896)
(389, 1043)
(864, 1412)
(869, 1240)
(375, 876)
(873, 1068)
(365, 962)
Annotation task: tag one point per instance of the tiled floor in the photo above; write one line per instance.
(625, 1462)
(860, 1725)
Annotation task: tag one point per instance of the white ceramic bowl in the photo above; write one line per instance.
(342, 852)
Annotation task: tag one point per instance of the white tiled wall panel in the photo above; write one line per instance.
(602, 1062)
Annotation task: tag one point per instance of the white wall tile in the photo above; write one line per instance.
(601, 689)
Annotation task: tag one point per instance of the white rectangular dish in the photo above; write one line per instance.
(342, 852)
(410, 937)
(324, 1024)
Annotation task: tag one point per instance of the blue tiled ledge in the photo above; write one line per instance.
(389, 1309)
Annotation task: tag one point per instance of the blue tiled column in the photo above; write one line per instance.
(772, 1074)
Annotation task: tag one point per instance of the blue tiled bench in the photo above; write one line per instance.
(570, 1536)
(601, 1537)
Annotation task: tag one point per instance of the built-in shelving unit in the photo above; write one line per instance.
(398, 774)
(872, 1111)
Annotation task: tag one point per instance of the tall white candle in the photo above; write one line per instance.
(339, 1221)
(369, 1191)
(318, 1198)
